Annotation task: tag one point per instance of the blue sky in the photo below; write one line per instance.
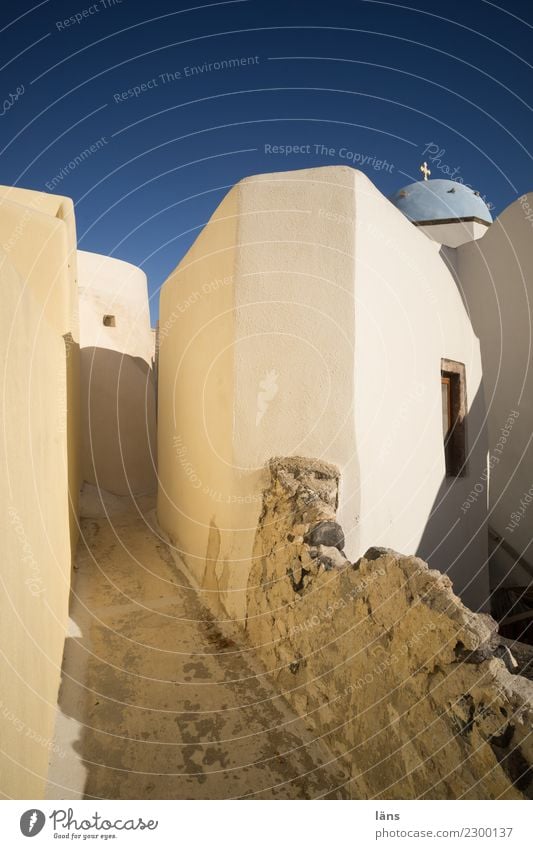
(171, 123)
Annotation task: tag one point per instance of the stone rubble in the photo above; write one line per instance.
(410, 690)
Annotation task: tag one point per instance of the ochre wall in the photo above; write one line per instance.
(35, 568)
(195, 395)
(38, 234)
(256, 340)
(41, 472)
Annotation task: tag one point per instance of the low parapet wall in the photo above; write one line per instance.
(405, 685)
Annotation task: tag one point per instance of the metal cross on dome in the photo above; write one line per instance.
(425, 170)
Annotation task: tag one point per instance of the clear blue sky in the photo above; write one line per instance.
(379, 81)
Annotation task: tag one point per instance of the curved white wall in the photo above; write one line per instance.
(117, 381)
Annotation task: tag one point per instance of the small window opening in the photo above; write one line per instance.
(453, 387)
(109, 321)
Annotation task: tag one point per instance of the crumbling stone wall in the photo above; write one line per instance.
(406, 686)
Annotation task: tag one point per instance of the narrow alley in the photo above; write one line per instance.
(156, 701)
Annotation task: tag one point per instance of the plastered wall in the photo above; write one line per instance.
(310, 317)
(117, 378)
(251, 325)
(34, 516)
(409, 317)
(195, 398)
(496, 279)
(40, 472)
(38, 234)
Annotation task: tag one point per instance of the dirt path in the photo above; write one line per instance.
(156, 702)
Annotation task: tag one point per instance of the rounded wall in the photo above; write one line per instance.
(456, 233)
(117, 378)
(108, 286)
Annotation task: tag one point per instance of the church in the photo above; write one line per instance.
(338, 392)
(389, 337)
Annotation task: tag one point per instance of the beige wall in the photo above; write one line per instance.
(38, 234)
(117, 380)
(35, 571)
(195, 396)
(323, 338)
(252, 322)
(496, 276)
(40, 471)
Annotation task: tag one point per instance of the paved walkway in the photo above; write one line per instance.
(156, 702)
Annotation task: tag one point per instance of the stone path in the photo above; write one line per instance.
(156, 701)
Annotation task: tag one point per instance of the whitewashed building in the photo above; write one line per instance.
(313, 316)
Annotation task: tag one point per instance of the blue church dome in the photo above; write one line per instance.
(440, 200)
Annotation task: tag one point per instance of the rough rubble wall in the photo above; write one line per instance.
(380, 656)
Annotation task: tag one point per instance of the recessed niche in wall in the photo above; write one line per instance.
(109, 321)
